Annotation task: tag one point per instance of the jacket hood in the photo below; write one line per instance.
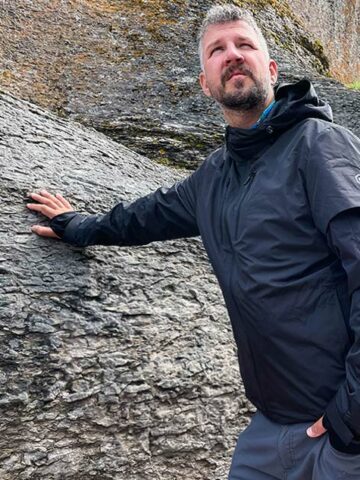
(295, 102)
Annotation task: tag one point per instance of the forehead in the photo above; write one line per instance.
(221, 31)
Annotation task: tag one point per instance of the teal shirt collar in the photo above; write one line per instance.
(264, 114)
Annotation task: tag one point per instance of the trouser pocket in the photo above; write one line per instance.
(336, 465)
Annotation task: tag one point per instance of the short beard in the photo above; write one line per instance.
(242, 100)
(245, 101)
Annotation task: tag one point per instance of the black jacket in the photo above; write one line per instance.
(263, 205)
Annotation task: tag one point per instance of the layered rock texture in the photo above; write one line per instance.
(130, 68)
(116, 363)
(336, 24)
(119, 363)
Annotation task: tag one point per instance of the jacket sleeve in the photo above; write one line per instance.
(332, 179)
(165, 214)
(332, 174)
(342, 416)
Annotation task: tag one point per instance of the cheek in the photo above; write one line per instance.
(213, 71)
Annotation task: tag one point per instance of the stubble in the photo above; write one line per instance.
(242, 97)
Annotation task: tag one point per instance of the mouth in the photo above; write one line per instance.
(236, 75)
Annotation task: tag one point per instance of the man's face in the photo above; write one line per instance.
(237, 72)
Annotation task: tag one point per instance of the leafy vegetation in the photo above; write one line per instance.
(355, 85)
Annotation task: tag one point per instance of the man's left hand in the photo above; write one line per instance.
(317, 429)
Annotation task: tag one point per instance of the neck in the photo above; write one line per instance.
(245, 119)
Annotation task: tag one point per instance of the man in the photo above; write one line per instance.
(278, 211)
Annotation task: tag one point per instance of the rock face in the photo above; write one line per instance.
(116, 363)
(336, 23)
(130, 69)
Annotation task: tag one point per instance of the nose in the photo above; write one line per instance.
(233, 55)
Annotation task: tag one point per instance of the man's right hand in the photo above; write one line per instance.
(50, 206)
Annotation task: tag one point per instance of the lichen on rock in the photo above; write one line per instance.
(131, 69)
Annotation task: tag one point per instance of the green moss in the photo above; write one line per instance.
(167, 162)
(354, 85)
(282, 7)
(276, 38)
(316, 48)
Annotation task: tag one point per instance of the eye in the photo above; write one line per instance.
(216, 49)
(245, 45)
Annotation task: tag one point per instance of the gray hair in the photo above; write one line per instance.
(225, 14)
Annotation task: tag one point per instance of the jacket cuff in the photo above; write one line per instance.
(340, 436)
(63, 225)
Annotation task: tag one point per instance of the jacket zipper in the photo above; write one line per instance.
(225, 241)
(249, 180)
(246, 184)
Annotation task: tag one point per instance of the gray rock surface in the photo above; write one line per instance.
(130, 69)
(336, 23)
(116, 363)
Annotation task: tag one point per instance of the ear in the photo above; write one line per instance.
(273, 69)
(204, 85)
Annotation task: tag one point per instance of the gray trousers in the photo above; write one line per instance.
(269, 451)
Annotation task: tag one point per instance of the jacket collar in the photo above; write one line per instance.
(294, 103)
